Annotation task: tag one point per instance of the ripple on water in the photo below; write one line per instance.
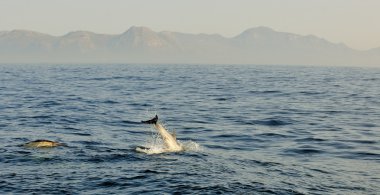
(273, 135)
(304, 150)
(310, 139)
(361, 155)
(271, 122)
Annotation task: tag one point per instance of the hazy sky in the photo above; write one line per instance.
(354, 22)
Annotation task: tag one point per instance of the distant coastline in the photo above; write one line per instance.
(260, 45)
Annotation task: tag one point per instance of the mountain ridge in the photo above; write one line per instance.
(258, 45)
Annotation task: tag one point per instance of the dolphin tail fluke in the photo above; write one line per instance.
(151, 121)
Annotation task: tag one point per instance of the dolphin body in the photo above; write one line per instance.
(170, 140)
(43, 144)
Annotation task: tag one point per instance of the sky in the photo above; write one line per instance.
(353, 22)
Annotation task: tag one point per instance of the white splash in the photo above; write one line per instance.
(191, 146)
(155, 145)
(163, 140)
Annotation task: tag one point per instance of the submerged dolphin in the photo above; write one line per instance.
(43, 144)
(170, 140)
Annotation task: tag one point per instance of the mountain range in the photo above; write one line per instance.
(260, 45)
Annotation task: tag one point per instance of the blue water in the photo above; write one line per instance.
(261, 129)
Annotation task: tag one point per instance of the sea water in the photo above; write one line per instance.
(250, 129)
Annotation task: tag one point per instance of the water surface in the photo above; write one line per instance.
(261, 129)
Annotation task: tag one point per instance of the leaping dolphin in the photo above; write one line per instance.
(43, 144)
(170, 140)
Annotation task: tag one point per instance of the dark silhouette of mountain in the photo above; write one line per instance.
(260, 45)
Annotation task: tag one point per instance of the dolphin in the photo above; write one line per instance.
(170, 140)
(41, 143)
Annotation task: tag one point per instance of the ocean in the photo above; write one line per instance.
(248, 129)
